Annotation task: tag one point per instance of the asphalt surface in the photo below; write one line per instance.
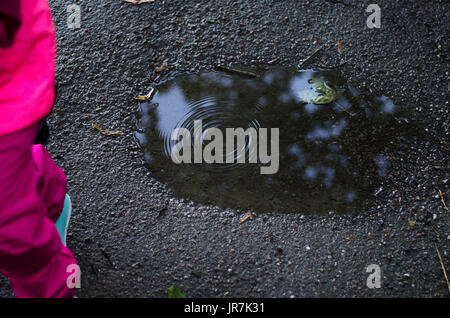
(132, 237)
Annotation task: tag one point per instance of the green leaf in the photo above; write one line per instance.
(327, 92)
(175, 292)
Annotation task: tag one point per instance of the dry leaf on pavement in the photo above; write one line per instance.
(138, 1)
(107, 132)
(339, 45)
(162, 67)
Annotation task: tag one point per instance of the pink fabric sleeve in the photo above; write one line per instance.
(27, 69)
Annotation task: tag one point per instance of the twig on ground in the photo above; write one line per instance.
(108, 258)
(443, 267)
(341, 2)
(309, 57)
(441, 195)
(437, 233)
(236, 71)
(343, 108)
(245, 218)
(378, 191)
(272, 62)
(440, 168)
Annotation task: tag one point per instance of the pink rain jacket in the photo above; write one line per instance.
(27, 63)
(32, 187)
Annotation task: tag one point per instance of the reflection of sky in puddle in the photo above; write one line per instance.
(324, 174)
(312, 108)
(382, 164)
(296, 151)
(330, 155)
(387, 105)
(175, 108)
(321, 132)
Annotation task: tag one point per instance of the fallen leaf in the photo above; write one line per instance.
(245, 218)
(339, 45)
(107, 132)
(412, 223)
(273, 61)
(145, 97)
(319, 41)
(162, 67)
(138, 1)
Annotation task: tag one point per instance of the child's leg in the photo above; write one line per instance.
(52, 186)
(32, 191)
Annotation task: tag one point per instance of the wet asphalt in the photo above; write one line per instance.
(133, 238)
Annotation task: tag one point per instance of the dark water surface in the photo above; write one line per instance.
(332, 156)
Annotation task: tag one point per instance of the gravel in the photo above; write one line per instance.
(133, 238)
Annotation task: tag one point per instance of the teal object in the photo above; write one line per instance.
(63, 221)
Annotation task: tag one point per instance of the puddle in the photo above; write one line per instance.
(331, 156)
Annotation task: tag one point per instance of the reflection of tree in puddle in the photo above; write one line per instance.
(331, 155)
